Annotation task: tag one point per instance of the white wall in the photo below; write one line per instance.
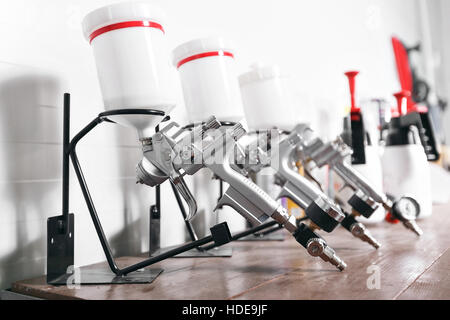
(438, 64)
(44, 54)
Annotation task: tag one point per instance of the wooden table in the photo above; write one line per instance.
(409, 268)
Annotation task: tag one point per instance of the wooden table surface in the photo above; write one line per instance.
(409, 268)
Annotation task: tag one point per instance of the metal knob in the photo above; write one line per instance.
(237, 131)
(211, 123)
(317, 247)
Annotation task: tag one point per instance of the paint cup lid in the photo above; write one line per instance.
(259, 72)
(121, 12)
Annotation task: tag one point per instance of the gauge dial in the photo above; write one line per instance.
(406, 208)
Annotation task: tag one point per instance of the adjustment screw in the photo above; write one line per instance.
(158, 136)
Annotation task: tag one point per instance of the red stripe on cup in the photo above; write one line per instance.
(204, 55)
(125, 24)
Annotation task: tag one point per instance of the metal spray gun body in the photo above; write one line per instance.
(313, 152)
(319, 208)
(322, 213)
(167, 157)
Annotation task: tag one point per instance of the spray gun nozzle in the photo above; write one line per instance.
(358, 230)
(412, 225)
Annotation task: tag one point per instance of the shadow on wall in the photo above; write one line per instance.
(30, 135)
(30, 175)
(135, 231)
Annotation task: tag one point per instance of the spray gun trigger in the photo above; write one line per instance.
(183, 189)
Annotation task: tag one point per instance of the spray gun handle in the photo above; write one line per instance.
(243, 195)
(318, 207)
(294, 185)
(243, 206)
(358, 182)
(251, 201)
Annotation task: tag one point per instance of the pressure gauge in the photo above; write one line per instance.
(406, 208)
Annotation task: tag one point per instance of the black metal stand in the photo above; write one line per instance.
(60, 229)
(155, 229)
(266, 235)
(198, 252)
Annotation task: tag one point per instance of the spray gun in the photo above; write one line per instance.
(322, 211)
(171, 156)
(365, 199)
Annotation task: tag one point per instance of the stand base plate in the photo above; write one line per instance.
(105, 276)
(194, 253)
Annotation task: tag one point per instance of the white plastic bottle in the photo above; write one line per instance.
(406, 170)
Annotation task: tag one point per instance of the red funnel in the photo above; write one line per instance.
(351, 75)
(402, 101)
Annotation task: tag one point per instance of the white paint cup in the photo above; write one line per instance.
(207, 72)
(132, 60)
